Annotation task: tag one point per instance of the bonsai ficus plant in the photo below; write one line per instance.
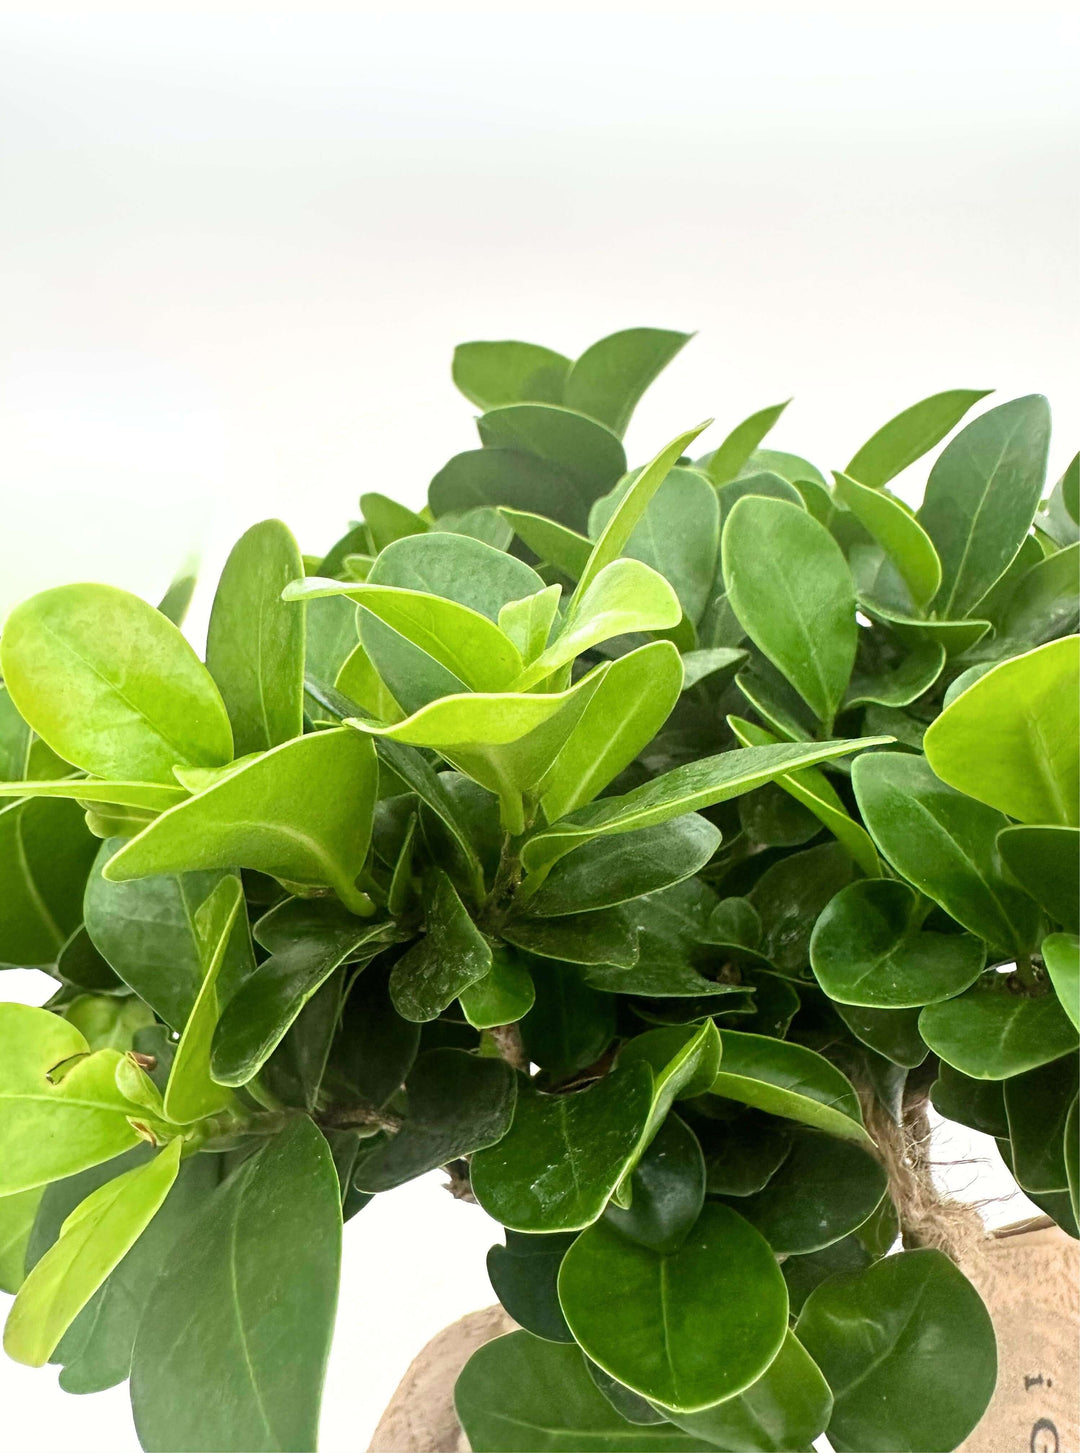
(644, 847)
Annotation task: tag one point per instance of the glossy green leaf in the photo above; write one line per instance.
(869, 949)
(823, 1189)
(789, 1080)
(981, 497)
(1027, 766)
(1044, 603)
(609, 378)
(979, 1104)
(93, 1239)
(524, 1274)
(694, 1326)
(255, 640)
(1061, 955)
(893, 1033)
(995, 1030)
(629, 706)
(624, 597)
(570, 1025)
(106, 1021)
(879, 1336)
(725, 462)
(191, 1093)
(301, 811)
(145, 932)
(789, 896)
(452, 955)
(898, 533)
(666, 1190)
(943, 843)
(743, 1154)
(359, 680)
(1037, 1106)
(257, 1017)
(678, 534)
(612, 870)
(684, 789)
(458, 1103)
(504, 1401)
(45, 857)
(911, 434)
(504, 995)
(789, 585)
(605, 936)
(490, 374)
(60, 1109)
(787, 1407)
(244, 1308)
(111, 685)
(153, 796)
(456, 568)
(564, 1154)
(814, 791)
(1072, 1157)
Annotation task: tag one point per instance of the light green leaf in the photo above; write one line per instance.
(301, 811)
(609, 378)
(981, 498)
(955, 636)
(360, 681)
(94, 1238)
(907, 1348)
(553, 543)
(690, 1328)
(505, 741)
(387, 521)
(869, 949)
(154, 796)
(60, 1109)
(726, 462)
(678, 535)
(625, 597)
(814, 790)
(490, 374)
(1027, 765)
(461, 640)
(898, 533)
(111, 685)
(504, 1401)
(458, 568)
(628, 513)
(789, 1080)
(1043, 605)
(629, 706)
(255, 640)
(905, 683)
(250, 1291)
(452, 955)
(17, 1215)
(684, 789)
(1045, 861)
(1061, 955)
(789, 585)
(564, 1154)
(528, 622)
(910, 434)
(943, 843)
(993, 1031)
(191, 1093)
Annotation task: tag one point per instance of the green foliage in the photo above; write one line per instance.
(609, 837)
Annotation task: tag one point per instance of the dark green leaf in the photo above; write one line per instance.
(690, 1328)
(524, 1275)
(910, 434)
(45, 857)
(457, 1103)
(790, 894)
(1037, 1105)
(995, 1030)
(609, 378)
(804, 1273)
(571, 1024)
(978, 1104)
(667, 1190)
(908, 1350)
(789, 1080)
(607, 936)
(452, 955)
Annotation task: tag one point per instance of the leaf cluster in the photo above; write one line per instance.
(636, 844)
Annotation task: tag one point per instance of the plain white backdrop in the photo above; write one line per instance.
(238, 244)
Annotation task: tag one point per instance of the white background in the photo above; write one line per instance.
(239, 244)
